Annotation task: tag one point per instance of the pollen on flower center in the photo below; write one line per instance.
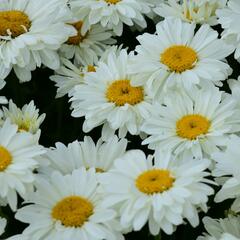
(112, 1)
(14, 23)
(5, 158)
(192, 126)
(77, 39)
(91, 68)
(121, 92)
(179, 58)
(73, 211)
(154, 181)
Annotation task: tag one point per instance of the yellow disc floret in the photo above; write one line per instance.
(5, 158)
(179, 58)
(14, 23)
(113, 1)
(191, 126)
(77, 39)
(154, 181)
(121, 92)
(73, 211)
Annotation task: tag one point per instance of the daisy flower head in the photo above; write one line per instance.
(27, 119)
(191, 10)
(179, 57)
(30, 34)
(198, 121)
(71, 74)
(89, 43)
(69, 207)
(157, 191)
(228, 18)
(18, 152)
(112, 14)
(107, 97)
(100, 156)
(228, 166)
(222, 229)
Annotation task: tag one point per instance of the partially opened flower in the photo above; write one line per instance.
(192, 10)
(100, 156)
(27, 119)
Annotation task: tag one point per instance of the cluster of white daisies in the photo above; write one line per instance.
(166, 91)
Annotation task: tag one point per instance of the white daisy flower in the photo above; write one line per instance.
(18, 151)
(113, 13)
(87, 43)
(27, 118)
(228, 166)
(222, 229)
(69, 75)
(69, 207)
(108, 97)
(192, 10)
(30, 33)
(228, 18)
(66, 159)
(199, 123)
(3, 223)
(176, 56)
(160, 192)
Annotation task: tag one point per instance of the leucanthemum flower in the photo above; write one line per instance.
(30, 33)
(107, 97)
(176, 56)
(160, 192)
(69, 207)
(27, 119)
(100, 156)
(191, 10)
(228, 166)
(222, 229)
(112, 14)
(87, 44)
(228, 17)
(18, 152)
(69, 75)
(198, 121)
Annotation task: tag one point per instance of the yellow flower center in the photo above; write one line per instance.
(192, 126)
(77, 39)
(91, 68)
(154, 181)
(73, 211)
(113, 1)
(179, 58)
(13, 23)
(23, 127)
(5, 158)
(121, 92)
